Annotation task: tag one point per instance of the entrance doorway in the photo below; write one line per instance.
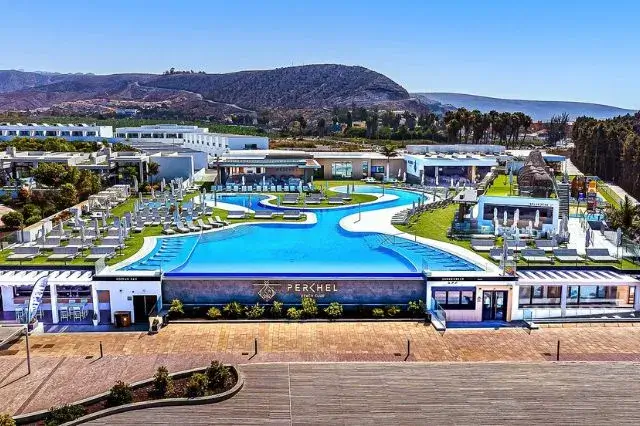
(494, 305)
(143, 306)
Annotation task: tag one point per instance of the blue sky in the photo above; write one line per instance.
(550, 50)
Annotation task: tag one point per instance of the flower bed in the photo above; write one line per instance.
(198, 386)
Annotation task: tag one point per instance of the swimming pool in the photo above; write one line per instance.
(322, 247)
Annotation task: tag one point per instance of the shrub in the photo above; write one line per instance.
(255, 311)
(31, 220)
(61, 415)
(119, 394)
(277, 309)
(294, 314)
(162, 382)
(334, 310)
(393, 310)
(197, 385)
(233, 310)
(416, 308)
(377, 312)
(214, 313)
(13, 220)
(177, 309)
(30, 210)
(309, 307)
(6, 420)
(218, 375)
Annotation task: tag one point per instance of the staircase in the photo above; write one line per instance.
(401, 218)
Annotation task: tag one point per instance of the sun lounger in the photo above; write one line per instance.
(182, 229)
(496, 254)
(236, 215)
(263, 214)
(24, 253)
(546, 245)
(535, 255)
(167, 230)
(48, 243)
(600, 255)
(203, 225)
(516, 245)
(313, 199)
(291, 214)
(482, 244)
(77, 243)
(567, 255)
(192, 227)
(336, 200)
(64, 253)
(223, 222)
(215, 224)
(290, 199)
(100, 252)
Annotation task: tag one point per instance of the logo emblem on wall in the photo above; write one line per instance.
(267, 291)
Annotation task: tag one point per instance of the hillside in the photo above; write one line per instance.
(311, 88)
(538, 110)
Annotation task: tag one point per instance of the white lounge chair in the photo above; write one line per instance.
(24, 253)
(567, 255)
(263, 214)
(223, 222)
(291, 214)
(600, 255)
(535, 255)
(236, 215)
(203, 225)
(64, 253)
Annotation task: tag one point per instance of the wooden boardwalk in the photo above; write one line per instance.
(417, 393)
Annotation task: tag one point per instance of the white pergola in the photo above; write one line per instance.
(82, 278)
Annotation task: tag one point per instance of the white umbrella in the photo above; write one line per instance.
(504, 222)
(399, 173)
(153, 193)
(60, 229)
(104, 220)
(530, 227)
(82, 234)
(422, 180)
(536, 222)
(264, 181)
(516, 216)
(96, 227)
(451, 184)
(108, 212)
(404, 176)
(242, 180)
(505, 253)
(135, 184)
(496, 227)
(120, 235)
(619, 237)
(300, 186)
(495, 213)
(162, 185)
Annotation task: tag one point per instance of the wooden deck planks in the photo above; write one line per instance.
(415, 393)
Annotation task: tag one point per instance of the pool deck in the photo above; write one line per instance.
(380, 221)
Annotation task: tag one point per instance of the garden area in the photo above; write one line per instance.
(214, 380)
(308, 309)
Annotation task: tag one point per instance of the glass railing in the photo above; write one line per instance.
(438, 313)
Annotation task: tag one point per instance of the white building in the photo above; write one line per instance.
(71, 132)
(193, 137)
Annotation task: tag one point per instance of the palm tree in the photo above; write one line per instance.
(389, 151)
(152, 170)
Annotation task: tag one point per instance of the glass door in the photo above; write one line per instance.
(494, 305)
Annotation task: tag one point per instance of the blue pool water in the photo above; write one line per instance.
(323, 247)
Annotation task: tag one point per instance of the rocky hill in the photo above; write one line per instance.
(310, 87)
(538, 110)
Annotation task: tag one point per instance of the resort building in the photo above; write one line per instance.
(542, 214)
(193, 137)
(276, 167)
(70, 132)
(357, 165)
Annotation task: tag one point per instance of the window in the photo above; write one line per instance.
(24, 133)
(76, 133)
(52, 133)
(377, 169)
(65, 133)
(599, 295)
(342, 170)
(91, 133)
(455, 299)
(146, 135)
(538, 295)
(365, 168)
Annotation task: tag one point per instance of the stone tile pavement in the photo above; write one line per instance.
(67, 367)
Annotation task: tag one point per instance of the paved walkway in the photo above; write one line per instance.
(463, 394)
(67, 367)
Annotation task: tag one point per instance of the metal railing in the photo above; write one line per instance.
(438, 313)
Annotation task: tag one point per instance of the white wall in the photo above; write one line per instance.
(172, 166)
(121, 291)
(240, 142)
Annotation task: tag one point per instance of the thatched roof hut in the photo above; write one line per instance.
(534, 177)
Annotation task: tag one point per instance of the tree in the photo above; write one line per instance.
(557, 128)
(153, 169)
(13, 220)
(321, 126)
(53, 174)
(67, 196)
(389, 151)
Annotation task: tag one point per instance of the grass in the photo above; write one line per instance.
(435, 224)
(500, 186)
(613, 202)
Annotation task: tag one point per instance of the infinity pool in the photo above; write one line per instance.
(323, 247)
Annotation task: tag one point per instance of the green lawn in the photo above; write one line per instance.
(434, 225)
(500, 186)
(613, 202)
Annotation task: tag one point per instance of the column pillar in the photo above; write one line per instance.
(95, 302)
(54, 302)
(563, 300)
(636, 299)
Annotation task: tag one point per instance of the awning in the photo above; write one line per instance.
(20, 278)
(574, 277)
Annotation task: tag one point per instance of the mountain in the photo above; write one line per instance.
(538, 110)
(310, 87)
